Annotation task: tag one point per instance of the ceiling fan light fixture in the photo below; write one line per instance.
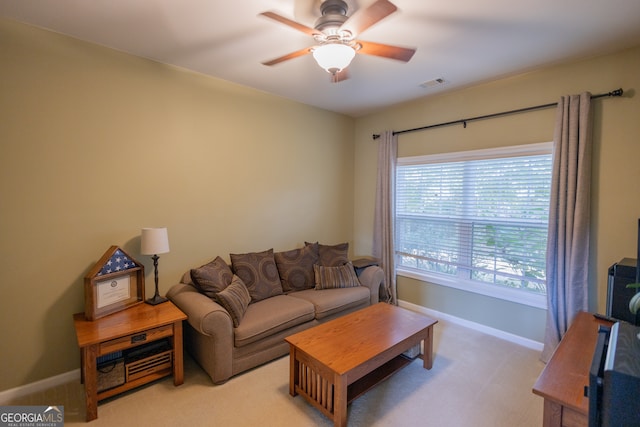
(334, 57)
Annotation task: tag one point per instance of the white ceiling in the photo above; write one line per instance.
(461, 41)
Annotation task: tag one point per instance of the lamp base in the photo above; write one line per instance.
(157, 299)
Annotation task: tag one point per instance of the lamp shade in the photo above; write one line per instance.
(334, 57)
(154, 241)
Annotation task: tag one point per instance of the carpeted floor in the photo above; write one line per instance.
(477, 380)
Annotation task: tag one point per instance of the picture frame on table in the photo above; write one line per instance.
(114, 283)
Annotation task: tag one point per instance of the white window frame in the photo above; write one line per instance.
(491, 290)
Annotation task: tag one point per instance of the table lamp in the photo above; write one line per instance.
(154, 241)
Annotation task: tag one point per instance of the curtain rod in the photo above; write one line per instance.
(617, 92)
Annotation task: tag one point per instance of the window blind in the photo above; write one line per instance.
(481, 219)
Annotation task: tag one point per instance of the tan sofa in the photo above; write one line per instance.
(224, 345)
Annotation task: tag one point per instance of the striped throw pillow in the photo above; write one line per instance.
(343, 276)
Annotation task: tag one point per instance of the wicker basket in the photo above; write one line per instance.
(110, 374)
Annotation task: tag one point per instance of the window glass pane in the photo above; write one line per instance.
(483, 220)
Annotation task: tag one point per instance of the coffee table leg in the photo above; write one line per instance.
(427, 357)
(293, 371)
(340, 402)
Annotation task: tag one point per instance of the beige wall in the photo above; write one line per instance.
(616, 167)
(96, 144)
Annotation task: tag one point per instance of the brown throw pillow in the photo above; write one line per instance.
(235, 299)
(333, 255)
(296, 268)
(342, 276)
(259, 273)
(212, 278)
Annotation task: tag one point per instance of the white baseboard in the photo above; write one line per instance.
(8, 396)
(525, 342)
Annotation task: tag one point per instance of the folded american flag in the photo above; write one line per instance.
(118, 262)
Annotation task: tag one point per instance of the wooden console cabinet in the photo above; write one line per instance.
(562, 382)
(136, 326)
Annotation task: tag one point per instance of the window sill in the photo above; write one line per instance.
(494, 291)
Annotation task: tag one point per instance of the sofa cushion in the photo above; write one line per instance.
(235, 299)
(328, 302)
(212, 278)
(343, 276)
(259, 273)
(296, 268)
(332, 255)
(272, 315)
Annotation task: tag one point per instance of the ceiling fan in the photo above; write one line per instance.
(335, 34)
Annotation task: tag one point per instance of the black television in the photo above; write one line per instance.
(596, 377)
(614, 378)
(638, 255)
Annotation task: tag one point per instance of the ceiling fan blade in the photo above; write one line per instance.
(364, 18)
(340, 76)
(293, 24)
(288, 56)
(394, 52)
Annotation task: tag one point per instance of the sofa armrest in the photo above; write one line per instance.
(209, 337)
(373, 278)
(203, 314)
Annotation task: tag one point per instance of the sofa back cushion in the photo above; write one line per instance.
(259, 273)
(331, 255)
(296, 268)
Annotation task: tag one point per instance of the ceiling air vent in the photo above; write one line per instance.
(434, 82)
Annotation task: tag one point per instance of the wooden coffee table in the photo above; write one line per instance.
(335, 362)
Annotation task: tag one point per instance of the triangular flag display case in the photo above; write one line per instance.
(114, 283)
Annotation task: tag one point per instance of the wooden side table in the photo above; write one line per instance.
(562, 381)
(132, 327)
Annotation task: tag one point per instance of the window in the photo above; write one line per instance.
(476, 220)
